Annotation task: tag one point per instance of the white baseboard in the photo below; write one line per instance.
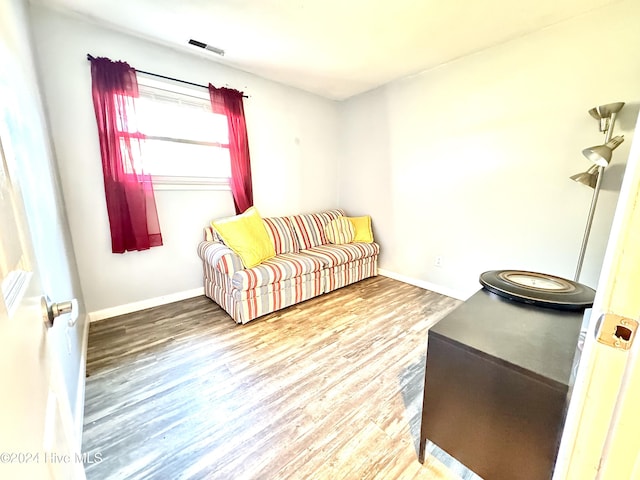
(143, 304)
(424, 284)
(78, 414)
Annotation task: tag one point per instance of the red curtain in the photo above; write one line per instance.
(228, 102)
(131, 205)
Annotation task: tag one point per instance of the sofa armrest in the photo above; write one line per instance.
(220, 257)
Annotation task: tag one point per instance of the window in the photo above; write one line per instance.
(186, 144)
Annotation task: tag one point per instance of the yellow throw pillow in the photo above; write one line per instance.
(246, 235)
(339, 230)
(362, 227)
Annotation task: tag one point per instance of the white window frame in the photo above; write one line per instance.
(167, 182)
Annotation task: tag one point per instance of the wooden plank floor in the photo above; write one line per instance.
(327, 389)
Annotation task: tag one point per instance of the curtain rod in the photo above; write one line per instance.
(91, 57)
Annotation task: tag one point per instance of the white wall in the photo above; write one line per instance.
(293, 148)
(37, 176)
(444, 161)
(470, 161)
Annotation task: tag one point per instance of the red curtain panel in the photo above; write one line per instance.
(228, 102)
(131, 205)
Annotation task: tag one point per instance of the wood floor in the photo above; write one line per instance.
(327, 389)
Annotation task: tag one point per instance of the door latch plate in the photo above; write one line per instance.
(617, 331)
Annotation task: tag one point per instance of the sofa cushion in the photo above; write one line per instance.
(281, 234)
(246, 235)
(334, 255)
(276, 269)
(362, 227)
(309, 228)
(339, 230)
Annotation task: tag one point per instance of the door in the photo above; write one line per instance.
(600, 436)
(36, 427)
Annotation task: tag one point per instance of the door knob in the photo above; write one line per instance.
(51, 311)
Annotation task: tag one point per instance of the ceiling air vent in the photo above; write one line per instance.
(211, 48)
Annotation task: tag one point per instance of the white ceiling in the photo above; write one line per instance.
(334, 48)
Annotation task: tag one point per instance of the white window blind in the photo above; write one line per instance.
(186, 144)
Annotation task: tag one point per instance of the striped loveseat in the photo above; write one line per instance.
(306, 265)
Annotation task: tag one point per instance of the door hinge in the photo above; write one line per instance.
(617, 331)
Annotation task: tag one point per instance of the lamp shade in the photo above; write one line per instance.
(588, 178)
(605, 111)
(601, 154)
(606, 114)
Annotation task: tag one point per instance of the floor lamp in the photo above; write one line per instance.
(600, 156)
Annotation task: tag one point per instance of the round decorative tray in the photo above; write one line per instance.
(539, 289)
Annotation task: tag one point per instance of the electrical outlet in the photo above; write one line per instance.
(438, 261)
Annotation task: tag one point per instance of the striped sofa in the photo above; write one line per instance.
(306, 265)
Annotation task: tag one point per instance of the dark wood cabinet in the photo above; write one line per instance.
(497, 379)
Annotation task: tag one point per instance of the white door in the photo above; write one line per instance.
(36, 427)
(600, 439)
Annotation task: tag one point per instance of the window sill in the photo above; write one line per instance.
(190, 183)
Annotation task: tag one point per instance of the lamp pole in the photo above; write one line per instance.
(594, 200)
(587, 230)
